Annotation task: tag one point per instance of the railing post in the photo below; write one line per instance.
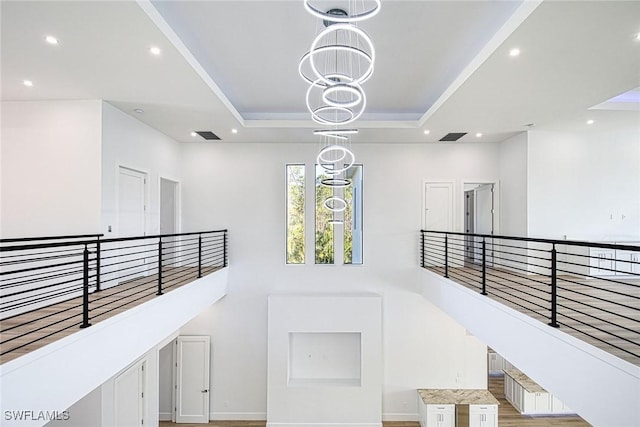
(199, 256)
(554, 288)
(446, 256)
(98, 265)
(484, 266)
(422, 248)
(85, 288)
(159, 267)
(224, 242)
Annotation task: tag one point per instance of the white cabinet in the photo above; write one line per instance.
(601, 262)
(627, 262)
(437, 415)
(483, 415)
(535, 402)
(497, 364)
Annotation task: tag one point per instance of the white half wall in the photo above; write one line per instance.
(241, 187)
(130, 143)
(601, 388)
(68, 369)
(50, 168)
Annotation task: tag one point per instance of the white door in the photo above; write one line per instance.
(129, 402)
(192, 379)
(131, 202)
(438, 212)
(131, 221)
(483, 220)
(438, 206)
(169, 220)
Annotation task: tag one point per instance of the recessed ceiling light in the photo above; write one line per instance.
(234, 130)
(514, 52)
(479, 135)
(638, 36)
(154, 50)
(194, 134)
(27, 83)
(51, 40)
(427, 131)
(590, 122)
(139, 110)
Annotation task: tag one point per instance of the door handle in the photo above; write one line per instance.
(205, 391)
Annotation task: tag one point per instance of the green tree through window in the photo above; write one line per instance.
(295, 214)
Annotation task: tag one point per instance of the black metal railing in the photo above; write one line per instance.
(590, 289)
(55, 284)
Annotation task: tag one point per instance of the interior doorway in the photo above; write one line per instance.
(479, 218)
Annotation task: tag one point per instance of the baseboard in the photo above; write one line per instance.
(400, 416)
(237, 416)
(164, 416)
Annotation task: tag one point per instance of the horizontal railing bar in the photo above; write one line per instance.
(602, 330)
(32, 331)
(599, 339)
(599, 309)
(611, 291)
(40, 338)
(539, 240)
(71, 236)
(156, 236)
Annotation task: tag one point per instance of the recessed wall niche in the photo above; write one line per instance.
(325, 359)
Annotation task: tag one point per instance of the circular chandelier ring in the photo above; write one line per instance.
(340, 18)
(315, 115)
(354, 90)
(335, 204)
(345, 48)
(335, 182)
(323, 161)
(345, 27)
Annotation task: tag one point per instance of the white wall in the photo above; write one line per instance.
(513, 185)
(87, 412)
(50, 167)
(242, 187)
(130, 143)
(581, 184)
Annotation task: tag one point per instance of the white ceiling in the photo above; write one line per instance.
(441, 65)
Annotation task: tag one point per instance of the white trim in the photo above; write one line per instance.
(496, 202)
(238, 416)
(178, 200)
(166, 29)
(164, 416)
(518, 17)
(400, 416)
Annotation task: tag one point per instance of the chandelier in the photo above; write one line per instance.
(341, 58)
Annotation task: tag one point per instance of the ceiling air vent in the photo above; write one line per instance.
(208, 135)
(454, 136)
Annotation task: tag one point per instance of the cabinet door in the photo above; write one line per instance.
(441, 416)
(601, 262)
(627, 262)
(483, 419)
(542, 403)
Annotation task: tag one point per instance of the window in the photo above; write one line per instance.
(353, 216)
(295, 213)
(324, 217)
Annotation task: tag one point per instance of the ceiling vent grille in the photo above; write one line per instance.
(453, 136)
(208, 135)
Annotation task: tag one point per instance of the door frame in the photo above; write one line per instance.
(142, 363)
(496, 201)
(145, 195)
(454, 206)
(176, 370)
(178, 204)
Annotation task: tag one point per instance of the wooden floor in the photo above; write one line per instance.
(585, 308)
(29, 331)
(507, 416)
